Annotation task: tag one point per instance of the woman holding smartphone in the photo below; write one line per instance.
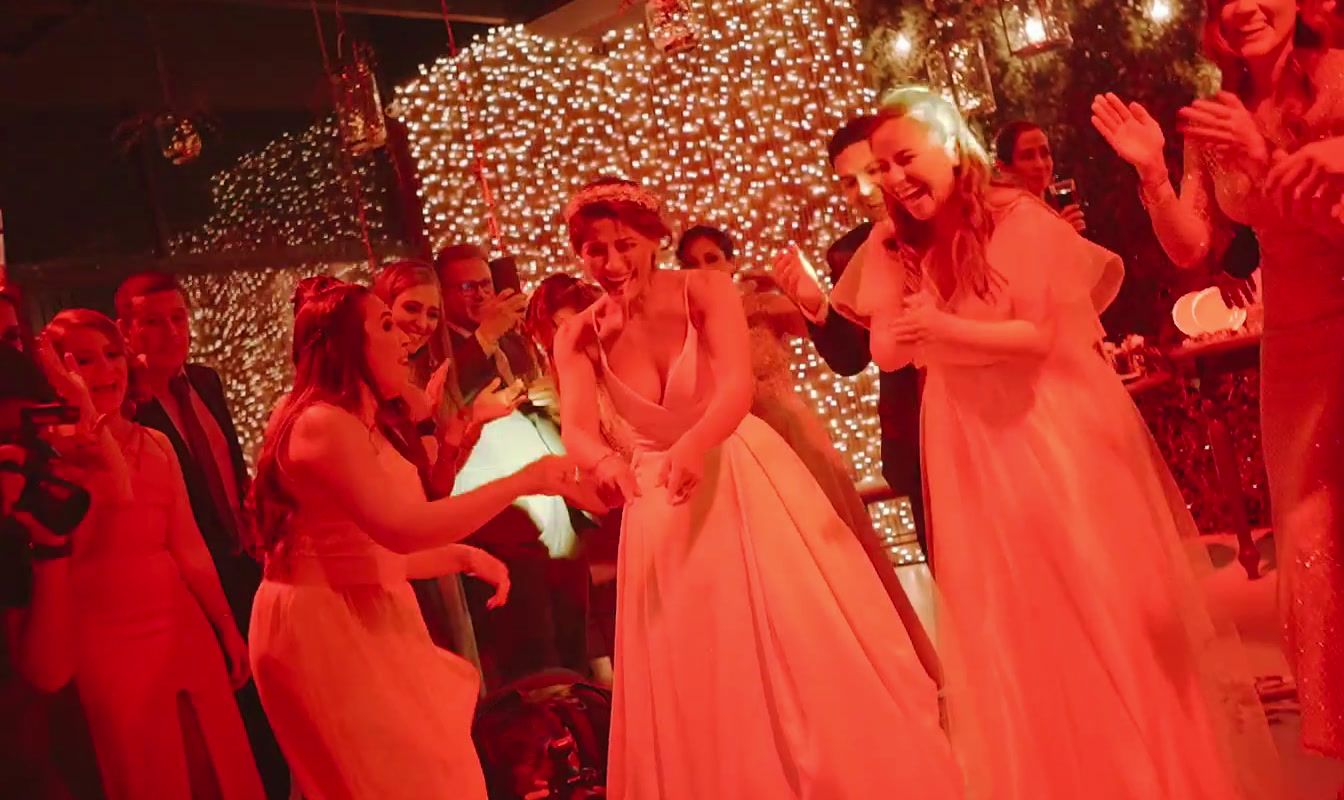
(1022, 154)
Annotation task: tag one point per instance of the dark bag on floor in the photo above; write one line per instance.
(545, 737)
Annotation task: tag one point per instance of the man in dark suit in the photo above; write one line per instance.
(187, 404)
(843, 344)
(544, 624)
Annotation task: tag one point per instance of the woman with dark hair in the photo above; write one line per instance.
(1045, 488)
(431, 428)
(158, 654)
(1282, 97)
(1022, 153)
(361, 700)
(757, 654)
(771, 320)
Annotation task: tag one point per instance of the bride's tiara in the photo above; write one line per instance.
(622, 192)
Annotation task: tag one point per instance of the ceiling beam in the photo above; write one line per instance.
(426, 9)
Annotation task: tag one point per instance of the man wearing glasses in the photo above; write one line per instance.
(544, 624)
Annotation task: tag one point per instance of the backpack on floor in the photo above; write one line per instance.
(545, 737)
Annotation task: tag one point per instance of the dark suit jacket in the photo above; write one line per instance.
(475, 369)
(843, 345)
(238, 573)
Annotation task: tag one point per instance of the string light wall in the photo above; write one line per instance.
(731, 133)
(294, 193)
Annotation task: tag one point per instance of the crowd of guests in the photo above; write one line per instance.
(436, 505)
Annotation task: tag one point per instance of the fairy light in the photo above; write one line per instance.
(731, 133)
(1159, 11)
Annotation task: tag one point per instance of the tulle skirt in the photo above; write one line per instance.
(362, 702)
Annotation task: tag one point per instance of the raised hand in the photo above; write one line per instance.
(1131, 132)
(63, 374)
(798, 280)
(1223, 123)
(501, 314)
(495, 401)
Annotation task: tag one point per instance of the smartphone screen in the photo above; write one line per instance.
(504, 272)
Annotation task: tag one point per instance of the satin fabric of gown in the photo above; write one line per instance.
(778, 404)
(757, 656)
(363, 703)
(1301, 401)
(143, 644)
(1081, 657)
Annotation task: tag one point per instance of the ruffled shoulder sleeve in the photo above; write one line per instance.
(1051, 270)
(874, 280)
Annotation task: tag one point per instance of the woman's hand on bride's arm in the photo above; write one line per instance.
(563, 477)
(616, 480)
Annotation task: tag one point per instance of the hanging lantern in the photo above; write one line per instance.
(358, 105)
(1034, 26)
(671, 25)
(957, 68)
(179, 141)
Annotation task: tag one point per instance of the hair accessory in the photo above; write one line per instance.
(622, 192)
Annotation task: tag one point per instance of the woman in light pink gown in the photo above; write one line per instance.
(150, 616)
(1081, 658)
(363, 703)
(1283, 96)
(757, 655)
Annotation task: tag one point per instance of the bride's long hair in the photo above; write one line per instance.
(962, 254)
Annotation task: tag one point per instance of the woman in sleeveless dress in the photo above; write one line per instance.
(157, 652)
(361, 701)
(1081, 658)
(757, 656)
(1283, 95)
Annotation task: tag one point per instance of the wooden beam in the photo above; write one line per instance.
(426, 10)
(70, 273)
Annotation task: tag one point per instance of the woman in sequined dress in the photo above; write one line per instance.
(1283, 95)
(772, 320)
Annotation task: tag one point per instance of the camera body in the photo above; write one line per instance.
(54, 503)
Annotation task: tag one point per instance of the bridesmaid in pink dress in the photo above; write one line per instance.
(757, 655)
(1081, 658)
(1283, 96)
(363, 703)
(150, 616)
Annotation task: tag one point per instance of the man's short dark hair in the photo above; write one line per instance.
(855, 130)
(142, 284)
(458, 252)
